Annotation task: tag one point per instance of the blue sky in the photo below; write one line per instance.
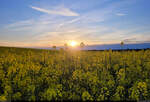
(42, 23)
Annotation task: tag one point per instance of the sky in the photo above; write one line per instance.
(43, 23)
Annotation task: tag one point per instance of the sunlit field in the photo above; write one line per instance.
(38, 75)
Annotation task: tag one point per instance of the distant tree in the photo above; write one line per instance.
(82, 45)
(61, 49)
(54, 47)
(66, 46)
(122, 43)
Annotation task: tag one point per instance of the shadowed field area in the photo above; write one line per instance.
(31, 74)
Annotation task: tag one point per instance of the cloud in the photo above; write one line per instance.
(19, 24)
(61, 11)
(121, 14)
(137, 38)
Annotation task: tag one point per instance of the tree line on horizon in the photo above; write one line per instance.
(82, 45)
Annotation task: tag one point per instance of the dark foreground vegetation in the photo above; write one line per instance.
(38, 75)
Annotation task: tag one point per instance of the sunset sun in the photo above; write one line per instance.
(73, 43)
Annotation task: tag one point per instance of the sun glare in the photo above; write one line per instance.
(73, 43)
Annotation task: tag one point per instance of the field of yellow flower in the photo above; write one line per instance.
(32, 75)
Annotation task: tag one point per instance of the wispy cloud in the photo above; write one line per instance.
(138, 38)
(121, 14)
(61, 11)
